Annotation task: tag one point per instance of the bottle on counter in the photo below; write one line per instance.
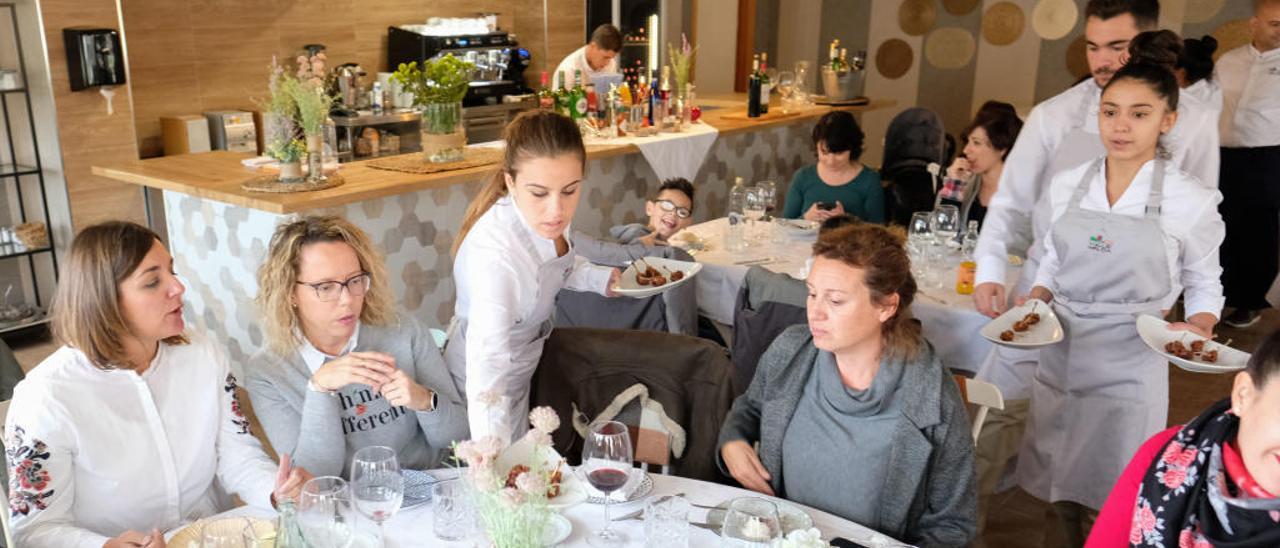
(665, 92)
(968, 267)
(655, 97)
(765, 84)
(562, 97)
(833, 56)
(546, 96)
(593, 102)
(288, 535)
(753, 89)
(376, 97)
(735, 237)
(577, 98)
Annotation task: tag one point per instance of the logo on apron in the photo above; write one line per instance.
(1100, 243)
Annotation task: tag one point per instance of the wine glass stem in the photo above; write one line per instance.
(605, 531)
(382, 533)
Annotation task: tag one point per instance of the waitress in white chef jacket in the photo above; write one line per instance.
(512, 257)
(132, 426)
(1128, 230)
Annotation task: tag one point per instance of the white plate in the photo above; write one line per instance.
(638, 485)
(558, 529)
(689, 241)
(1155, 332)
(629, 287)
(1048, 331)
(191, 535)
(793, 517)
(572, 490)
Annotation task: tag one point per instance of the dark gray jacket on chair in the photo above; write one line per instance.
(930, 494)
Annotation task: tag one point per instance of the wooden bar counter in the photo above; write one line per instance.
(218, 233)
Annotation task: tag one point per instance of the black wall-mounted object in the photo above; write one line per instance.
(94, 57)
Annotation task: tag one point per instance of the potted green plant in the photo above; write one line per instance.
(289, 154)
(281, 135)
(438, 87)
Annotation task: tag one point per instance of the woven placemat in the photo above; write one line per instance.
(271, 184)
(413, 163)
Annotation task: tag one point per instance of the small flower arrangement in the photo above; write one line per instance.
(681, 62)
(512, 504)
(298, 106)
(287, 151)
(441, 81)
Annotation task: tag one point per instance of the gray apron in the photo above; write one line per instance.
(1011, 369)
(1101, 392)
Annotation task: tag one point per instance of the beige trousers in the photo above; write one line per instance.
(998, 443)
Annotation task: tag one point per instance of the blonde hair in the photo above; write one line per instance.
(533, 134)
(86, 312)
(278, 276)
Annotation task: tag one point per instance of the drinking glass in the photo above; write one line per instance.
(945, 222)
(228, 533)
(801, 87)
(666, 522)
(786, 86)
(769, 191)
(606, 463)
(754, 211)
(452, 518)
(920, 229)
(377, 485)
(750, 522)
(324, 512)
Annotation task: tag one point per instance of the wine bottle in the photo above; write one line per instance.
(578, 97)
(765, 84)
(753, 89)
(562, 97)
(655, 97)
(546, 97)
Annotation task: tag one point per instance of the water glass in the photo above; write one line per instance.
(452, 517)
(945, 223)
(228, 533)
(754, 212)
(666, 523)
(377, 484)
(325, 515)
(769, 193)
(779, 231)
(751, 522)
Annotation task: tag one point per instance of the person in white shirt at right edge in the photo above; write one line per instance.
(512, 256)
(1250, 123)
(1128, 232)
(1059, 134)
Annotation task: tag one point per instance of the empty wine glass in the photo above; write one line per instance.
(606, 463)
(377, 485)
(751, 522)
(945, 222)
(786, 87)
(324, 512)
(920, 229)
(228, 533)
(769, 193)
(754, 211)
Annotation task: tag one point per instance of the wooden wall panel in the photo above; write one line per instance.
(185, 58)
(87, 133)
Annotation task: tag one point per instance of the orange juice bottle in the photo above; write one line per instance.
(964, 277)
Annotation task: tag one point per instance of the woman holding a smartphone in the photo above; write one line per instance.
(839, 183)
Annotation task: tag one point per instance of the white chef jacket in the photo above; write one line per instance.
(578, 61)
(1016, 219)
(505, 301)
(107, 451)
(1250, 83)
(1189, 216)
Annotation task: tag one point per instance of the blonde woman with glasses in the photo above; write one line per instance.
(341, 370)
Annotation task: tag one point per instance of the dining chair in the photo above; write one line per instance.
(768, 303)
(982, 394)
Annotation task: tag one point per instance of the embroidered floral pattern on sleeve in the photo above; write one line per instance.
(237, 416)
(28, 480)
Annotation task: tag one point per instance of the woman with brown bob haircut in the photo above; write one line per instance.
(860, 382)
(342, 371)
(133, 424)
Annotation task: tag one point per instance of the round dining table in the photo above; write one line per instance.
(412, 527)
(949, 320)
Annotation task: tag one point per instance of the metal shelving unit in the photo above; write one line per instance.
(12, 102)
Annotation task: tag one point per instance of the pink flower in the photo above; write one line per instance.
(538, 438)
(1147, 519)
(544, 419)
(512, 496)
(469, 452)
(1178, 455)
(1171, 452)
(482, 476)
(1174, 477)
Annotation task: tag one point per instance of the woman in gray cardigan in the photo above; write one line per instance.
(341, 371)
(854, 413)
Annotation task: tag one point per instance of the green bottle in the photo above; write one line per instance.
(562, 97)
(578, 98)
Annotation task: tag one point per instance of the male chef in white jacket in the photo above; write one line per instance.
(1061, 133)
(1250, 183)
(598, 57)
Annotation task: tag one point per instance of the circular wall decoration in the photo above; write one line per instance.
(1054, 19)
(916, 17)
(1199, 11)
(1077, 59)
(894, 58)
(1003, 23)
(959, 7)
(1231, 35)
(949, 48)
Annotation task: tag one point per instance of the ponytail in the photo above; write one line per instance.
(533, 134)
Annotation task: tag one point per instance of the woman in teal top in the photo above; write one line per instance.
(838, 183)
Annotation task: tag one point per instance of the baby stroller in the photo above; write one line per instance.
(916, 149)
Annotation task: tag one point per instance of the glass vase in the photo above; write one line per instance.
(315, 158)
(443, 136)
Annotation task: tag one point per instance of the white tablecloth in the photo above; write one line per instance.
(950, 321)
(672, 154)
(413, 527)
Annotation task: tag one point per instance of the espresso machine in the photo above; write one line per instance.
(499, 60)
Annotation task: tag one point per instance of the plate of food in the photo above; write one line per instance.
(793, 517)
(1188, 350)
(648, 276)
(193, 533)
(564, 488)
(1031, 325)
(688, 241)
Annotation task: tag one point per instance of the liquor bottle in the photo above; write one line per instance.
(753, 89)
(735, 237)
(765, 84)
(578, 97)
(665, 91)
(546, 96)
(593, 105)
(844, 60)
(562, 97)
(655, 98)
(833, 54)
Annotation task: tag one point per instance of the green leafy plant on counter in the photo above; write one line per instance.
(313, 106)
(443, 80)
(681, 62)
(288, 151)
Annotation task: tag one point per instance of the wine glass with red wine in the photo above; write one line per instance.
(606, 463)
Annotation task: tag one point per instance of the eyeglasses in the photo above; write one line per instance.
(669, 206)
(356, 286)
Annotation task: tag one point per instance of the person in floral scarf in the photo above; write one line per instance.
(1210, 482)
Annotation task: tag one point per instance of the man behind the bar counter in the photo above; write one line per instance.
(597, 58)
